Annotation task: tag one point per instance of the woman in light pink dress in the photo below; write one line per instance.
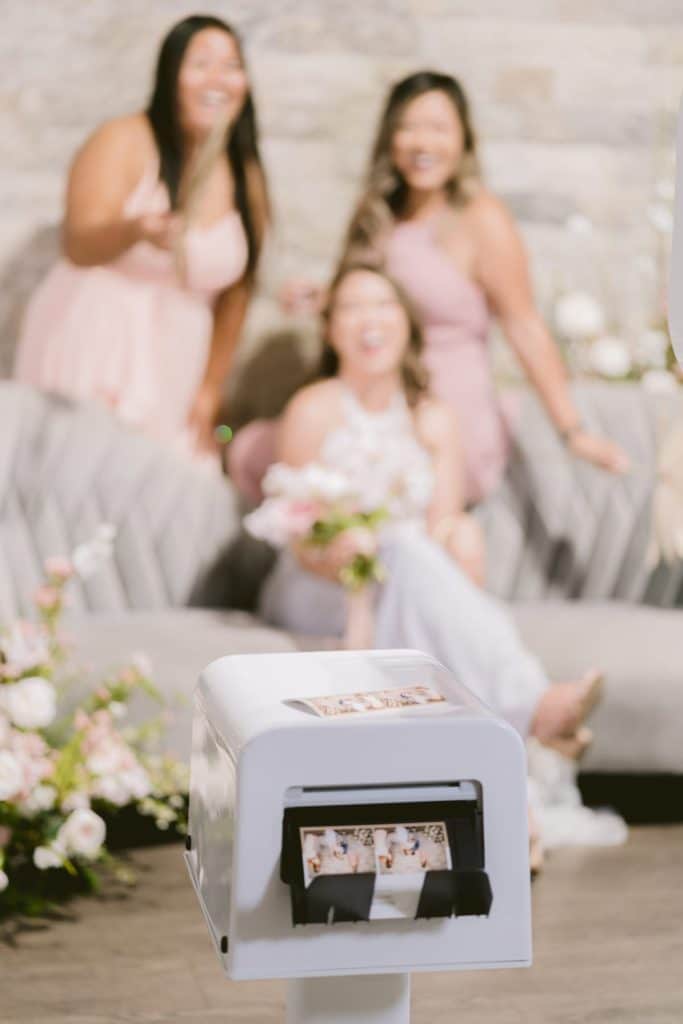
(144, 310)
(428, 220)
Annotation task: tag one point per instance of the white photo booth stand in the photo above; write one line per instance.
(345, 851)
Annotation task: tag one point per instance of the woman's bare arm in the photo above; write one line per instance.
(501, 267)
(103, 174)
(437, 428)
(229, 313)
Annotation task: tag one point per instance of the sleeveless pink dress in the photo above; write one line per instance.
(455, 318)
(129, 333)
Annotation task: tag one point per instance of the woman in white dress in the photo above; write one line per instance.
(370, 416)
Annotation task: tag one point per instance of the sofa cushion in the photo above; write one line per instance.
(180, 642)
(639, 724)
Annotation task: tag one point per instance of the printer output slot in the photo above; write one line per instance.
(369, 855)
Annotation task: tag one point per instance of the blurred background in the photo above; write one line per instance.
(574, 104)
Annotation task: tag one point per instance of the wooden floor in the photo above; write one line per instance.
(608, 938)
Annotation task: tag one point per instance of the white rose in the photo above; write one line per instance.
(45, 857)
(4, 731)
(651, 349)
(41, 799)
(89, 557)
(138, 783)
(142, 663)
(82, 834)
(24, 647)
(4, 881)
(117, 709)
(106, 759)
(661, 217)
(11, 775)
(610, 357)
(75, 801)
(113, 788)
(579, 224)
(578, 316)
(659, 382)
(31, 703)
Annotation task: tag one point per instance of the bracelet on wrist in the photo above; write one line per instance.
(567, 434)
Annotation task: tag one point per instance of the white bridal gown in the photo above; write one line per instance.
(427, 602)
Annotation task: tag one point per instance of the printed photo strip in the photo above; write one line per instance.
(332, 705)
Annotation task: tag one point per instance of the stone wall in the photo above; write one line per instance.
(574, 103)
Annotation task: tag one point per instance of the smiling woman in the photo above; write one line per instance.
(427, 217)
(144, 310)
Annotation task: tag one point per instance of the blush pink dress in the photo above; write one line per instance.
(455, 318)
(130, 333)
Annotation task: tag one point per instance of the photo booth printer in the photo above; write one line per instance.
(303, 775)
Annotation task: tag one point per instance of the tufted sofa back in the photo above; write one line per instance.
(559, 527)
(65, 468)
(555, 528)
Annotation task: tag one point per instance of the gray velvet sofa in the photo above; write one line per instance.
(567, 548)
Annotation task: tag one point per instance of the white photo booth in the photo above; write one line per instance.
(346, 848)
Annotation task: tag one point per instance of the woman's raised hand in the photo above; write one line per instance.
(328, 561)
(599, 451)
(299, 296)
(201, 420)
(159, 229)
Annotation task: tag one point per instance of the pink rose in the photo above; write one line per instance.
(47, 598)
(59, 569)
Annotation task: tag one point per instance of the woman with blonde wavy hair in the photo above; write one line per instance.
(427, 218)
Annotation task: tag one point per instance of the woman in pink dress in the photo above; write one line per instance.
(144, 310)
(428, 220)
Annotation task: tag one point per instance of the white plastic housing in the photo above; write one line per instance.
(251, 750)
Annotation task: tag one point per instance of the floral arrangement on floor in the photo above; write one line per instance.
(63, 773)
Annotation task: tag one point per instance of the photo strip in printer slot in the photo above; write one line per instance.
(443, 839)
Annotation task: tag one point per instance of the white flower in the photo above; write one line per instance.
(4, 880)
(307, 483)
(142, 663)
(45, 857)
(89, 557)
(42, 798)
(76, 801)
(24, 647)
(579, 224)
(661, 217)
(659, 382)
(11, 775)
(113, 789)
(666, 189)
(5, 729)
(651, 349)
(578, 316)
(610, 357)
(117, 709)
(82, 834)
(30, 703)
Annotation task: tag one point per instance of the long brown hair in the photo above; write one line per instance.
(413, 372)
(386, 191)
(242, 148)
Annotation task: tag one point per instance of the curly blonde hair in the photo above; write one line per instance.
(386, 191)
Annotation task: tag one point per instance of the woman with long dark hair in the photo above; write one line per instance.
(165, 217)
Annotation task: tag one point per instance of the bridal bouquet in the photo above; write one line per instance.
(63, 773)
(312, 506)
